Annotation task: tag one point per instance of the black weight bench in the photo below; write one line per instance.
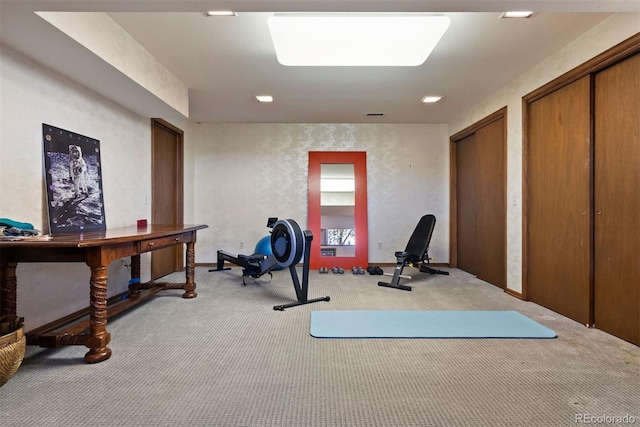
(416, 252)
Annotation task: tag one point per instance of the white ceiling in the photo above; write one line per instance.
(225, 62)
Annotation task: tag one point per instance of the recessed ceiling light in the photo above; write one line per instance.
(517, 14)
(264, 98)
(343, 39)
(221, 13)
(429, 99)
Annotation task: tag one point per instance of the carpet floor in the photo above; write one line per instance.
(226, 358)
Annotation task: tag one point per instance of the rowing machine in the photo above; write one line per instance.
(288, 245)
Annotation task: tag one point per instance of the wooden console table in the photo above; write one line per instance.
(97, 249)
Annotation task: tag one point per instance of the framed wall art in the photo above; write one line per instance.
(73, 174)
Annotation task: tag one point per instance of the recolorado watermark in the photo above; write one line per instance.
(604, 419)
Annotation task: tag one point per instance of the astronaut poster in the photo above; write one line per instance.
(73, 176)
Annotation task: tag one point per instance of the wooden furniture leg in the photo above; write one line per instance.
(134, 283)
(190, 284)
(99, 337)
(8, 287)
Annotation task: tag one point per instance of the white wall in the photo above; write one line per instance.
(608, 33)
(245, 173)
(30, 96)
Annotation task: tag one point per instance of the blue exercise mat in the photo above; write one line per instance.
(425, 324)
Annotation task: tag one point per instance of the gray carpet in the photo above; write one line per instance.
(228, 359)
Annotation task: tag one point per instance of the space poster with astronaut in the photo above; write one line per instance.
(74, 181)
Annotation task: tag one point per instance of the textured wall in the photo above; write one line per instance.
(248, 172)
(32, 95)
(101, 35)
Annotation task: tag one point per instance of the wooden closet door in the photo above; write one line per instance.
(167, 192)
(558, 223)
(467, 205)
(617, 200)
(480, 202)
(490, 206)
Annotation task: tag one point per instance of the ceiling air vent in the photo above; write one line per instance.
(375, 114)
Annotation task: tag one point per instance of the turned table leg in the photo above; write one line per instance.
(8, 287)
(190, 284)
(134, 283)
(99, 337)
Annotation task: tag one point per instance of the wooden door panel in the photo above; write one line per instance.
(164, 177)
(166, 194)
(467, 194)
(480, 199)
(558, 225)
(490, 207)
(617, 200)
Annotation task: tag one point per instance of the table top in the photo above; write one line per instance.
(98, 238)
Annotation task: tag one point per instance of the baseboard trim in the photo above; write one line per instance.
(207, 264)
(381, 264)
(513, 293)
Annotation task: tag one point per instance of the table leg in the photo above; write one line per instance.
(99, 337)
(8, 287)
(190, 284)
(134, 283)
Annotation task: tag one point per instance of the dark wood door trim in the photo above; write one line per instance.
(617, 53)
(500, 114)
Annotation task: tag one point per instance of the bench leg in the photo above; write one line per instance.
(395, 281)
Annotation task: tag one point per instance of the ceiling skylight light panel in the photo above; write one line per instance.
(355, 40)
